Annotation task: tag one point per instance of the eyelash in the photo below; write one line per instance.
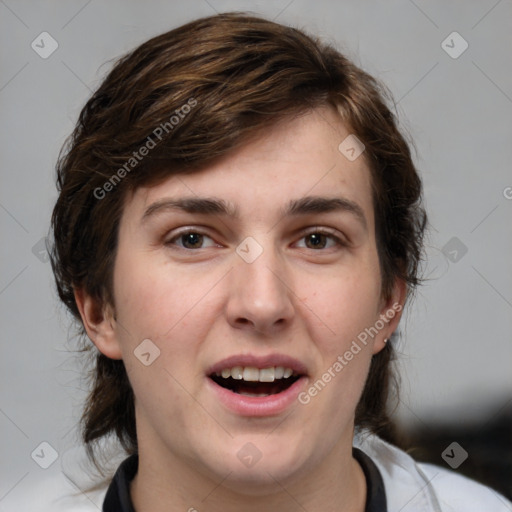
(323, 232)
(327, 233)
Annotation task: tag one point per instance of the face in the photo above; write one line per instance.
(252, 278)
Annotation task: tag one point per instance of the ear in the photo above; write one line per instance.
(99, 324)
(390, 314)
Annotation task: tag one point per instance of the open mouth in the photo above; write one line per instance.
(255, 382)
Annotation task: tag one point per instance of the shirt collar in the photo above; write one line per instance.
(118, 499)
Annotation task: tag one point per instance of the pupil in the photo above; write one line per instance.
(192, 240)
(316, 240)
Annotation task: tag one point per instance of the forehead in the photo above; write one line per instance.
(293, 159)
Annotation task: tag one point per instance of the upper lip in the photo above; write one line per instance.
(259, 362)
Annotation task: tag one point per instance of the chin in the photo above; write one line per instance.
(258, 482)
(260, 471)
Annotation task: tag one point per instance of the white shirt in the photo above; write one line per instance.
(417, 487)
(410, 487)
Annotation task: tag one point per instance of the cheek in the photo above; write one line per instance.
(151, 297)
(344, 303)
(170, 309)
(346, 306)
(174, 308)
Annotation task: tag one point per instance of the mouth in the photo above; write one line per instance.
(257, 386)
(255, 382)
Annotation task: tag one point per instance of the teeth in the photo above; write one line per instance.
(267, 375)
(237, 373)
(252, 374)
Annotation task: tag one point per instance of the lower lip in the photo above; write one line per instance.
(270, 405)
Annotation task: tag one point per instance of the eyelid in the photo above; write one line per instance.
(176, 234)
(330, 232)
(334, 234)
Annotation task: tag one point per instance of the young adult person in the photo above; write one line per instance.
(238, 229)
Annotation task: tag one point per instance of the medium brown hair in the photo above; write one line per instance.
(210, 86)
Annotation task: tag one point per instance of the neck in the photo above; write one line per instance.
(336, 483)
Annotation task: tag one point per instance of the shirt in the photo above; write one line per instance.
(118, 497)
(418, 487)
(410, 486)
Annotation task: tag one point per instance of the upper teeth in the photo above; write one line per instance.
(252, 374)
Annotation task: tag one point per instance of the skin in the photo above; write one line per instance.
(200, 305)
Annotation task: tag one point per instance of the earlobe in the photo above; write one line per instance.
(390, 314)
(99, 324)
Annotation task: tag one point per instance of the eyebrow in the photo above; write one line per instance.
(303, 206)
(205, 206)
(317, 204)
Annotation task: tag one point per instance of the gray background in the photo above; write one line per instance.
(456, 345)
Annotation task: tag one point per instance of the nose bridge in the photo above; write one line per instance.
(264, 276)
(259, 294)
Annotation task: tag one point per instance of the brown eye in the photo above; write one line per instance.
(192, 240)
(316, 241)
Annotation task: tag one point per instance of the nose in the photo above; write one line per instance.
(260, 295)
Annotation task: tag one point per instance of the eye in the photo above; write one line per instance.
(191, 240)
(319, 240)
